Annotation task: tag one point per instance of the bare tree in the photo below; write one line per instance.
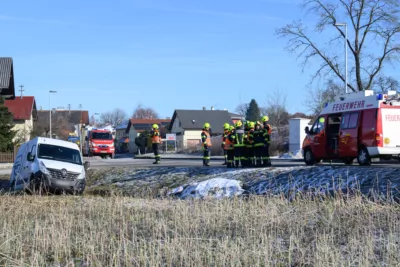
(144, 113)
(242, 109)
(384, 84)
(114, 118)
(374, 22)
(317, 98)
(276, 109)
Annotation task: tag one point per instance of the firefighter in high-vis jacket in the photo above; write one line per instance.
(206, 143)
(258, 138)
(224, 135)
(155, 143)
(267, 140)
(237, 138)
(245, 141)
(229, 148)
(250, 144)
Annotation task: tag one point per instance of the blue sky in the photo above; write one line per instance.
(175, 54)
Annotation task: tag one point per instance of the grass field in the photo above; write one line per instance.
(259, 231)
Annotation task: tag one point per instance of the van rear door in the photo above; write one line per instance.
(391, 127)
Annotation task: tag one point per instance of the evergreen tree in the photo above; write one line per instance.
(253, 111)
(6, 125)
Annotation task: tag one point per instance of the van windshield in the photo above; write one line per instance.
(102, 136)
(59, 153)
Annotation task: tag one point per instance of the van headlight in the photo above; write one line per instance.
(43, 168)
(82, 175)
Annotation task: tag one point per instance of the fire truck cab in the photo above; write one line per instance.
(358, 126)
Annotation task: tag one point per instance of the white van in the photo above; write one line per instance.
(55, 164)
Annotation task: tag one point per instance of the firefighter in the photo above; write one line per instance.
(155, 143)
(237, 138)
(267, 139)
(245, 140)
(229, 148)
(224, 135)
(258, 143)
(206, 143)
(250, 144)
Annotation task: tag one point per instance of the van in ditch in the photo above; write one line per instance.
(49, 164)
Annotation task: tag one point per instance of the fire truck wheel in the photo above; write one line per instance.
(309, 157)
(363, 157)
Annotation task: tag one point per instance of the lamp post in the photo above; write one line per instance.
(50, 92)
(345, 49)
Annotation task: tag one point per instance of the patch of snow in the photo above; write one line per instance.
(292, 155)
(215, 188)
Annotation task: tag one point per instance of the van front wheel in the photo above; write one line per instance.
(363, 157)
(309, 158)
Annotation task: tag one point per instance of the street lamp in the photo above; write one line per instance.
(345, 49)
(50, 92)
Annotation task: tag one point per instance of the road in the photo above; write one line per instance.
(140, 163)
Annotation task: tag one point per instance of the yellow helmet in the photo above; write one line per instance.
(322, 119)
(231, 128)
(206, 125)
(226, 126)
(251, 124)
(238, 124)
(264, 118)
(155, 126)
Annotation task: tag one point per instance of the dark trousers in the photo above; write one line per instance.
(226, 155)
(156, 151)
(239, 156)
(250, 156)
(258, 152)
(230, 158)
(206, 156)
(265, 155)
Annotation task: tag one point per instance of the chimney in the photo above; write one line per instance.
(212, 108)
(204, 108)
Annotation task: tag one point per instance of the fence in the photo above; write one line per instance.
(8, 157)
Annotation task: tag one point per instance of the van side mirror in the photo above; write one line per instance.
(86, 165)
(86, 138)
(307, 130)
(30, 157)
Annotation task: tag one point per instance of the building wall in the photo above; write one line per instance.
(23, 129)
(297, 133)
(120, 133)
(132, 135)
(176, 128)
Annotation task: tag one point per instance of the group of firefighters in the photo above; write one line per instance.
(245, 144)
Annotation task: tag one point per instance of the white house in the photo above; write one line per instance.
(24, 113)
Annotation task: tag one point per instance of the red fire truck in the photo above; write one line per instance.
(355, 126)
(99, 143)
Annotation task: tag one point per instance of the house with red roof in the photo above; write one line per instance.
(137, 126)
(24, 113)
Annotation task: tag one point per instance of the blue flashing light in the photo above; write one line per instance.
(379, 97)
(326, 104)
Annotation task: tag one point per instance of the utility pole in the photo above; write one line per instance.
(21, 90)
(50, 92)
